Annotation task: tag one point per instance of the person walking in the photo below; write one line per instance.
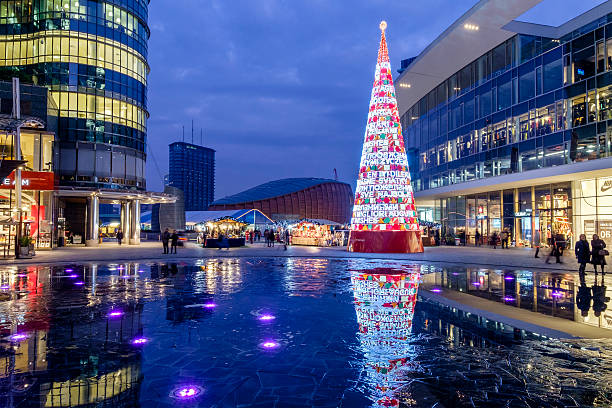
(165, 238)
(583, 254)
(598, 253)
(504, 238)
(119, 237)
(477, 237)
(536, 242)
(272, 237)
(553, 249)
(287, 235)
(174, 239)
(494, 239)
(267, 236)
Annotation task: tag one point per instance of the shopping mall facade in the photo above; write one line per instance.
(91, 56)
(508, 125)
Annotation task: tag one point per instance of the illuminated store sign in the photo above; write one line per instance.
(30, 180)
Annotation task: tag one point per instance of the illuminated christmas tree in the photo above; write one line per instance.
(384, 216)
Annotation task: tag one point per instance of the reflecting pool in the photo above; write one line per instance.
(279, 332)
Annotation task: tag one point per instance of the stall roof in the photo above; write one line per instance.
(251, 216)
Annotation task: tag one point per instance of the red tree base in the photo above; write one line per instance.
(390, 242)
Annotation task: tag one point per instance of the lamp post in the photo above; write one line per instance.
(17, 147)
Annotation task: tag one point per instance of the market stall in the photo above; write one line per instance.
(316, 233)
(225, 227)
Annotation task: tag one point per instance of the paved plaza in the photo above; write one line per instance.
(485, 256)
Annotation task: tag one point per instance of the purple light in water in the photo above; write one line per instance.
(557, 294)
(120, 267)
(140, 340)
(186, 392)
(115, 313)
(509, 278)
(266, 317)
(210, 305)
(269, 344)
(18, 336)
(125, 276)
(79, 283)
(436, 290)
(5, 287)
(475, 283)
(509, 299)
(74, 275)
(140, 271)
(22, 275)
(68, 270)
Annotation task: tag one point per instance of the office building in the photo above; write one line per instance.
(192, 170)
(92, 57)
(511, 128)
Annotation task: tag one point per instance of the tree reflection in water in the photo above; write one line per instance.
(384, 301)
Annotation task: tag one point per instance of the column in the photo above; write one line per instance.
(125, 221)
(135, 222)
(93, 221)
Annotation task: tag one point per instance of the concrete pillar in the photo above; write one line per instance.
(125, 221)
(93, 221)
(135, 222)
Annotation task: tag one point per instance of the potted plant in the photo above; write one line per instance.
(24, 244)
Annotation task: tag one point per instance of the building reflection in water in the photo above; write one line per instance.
(59, 346)
(384, 302)
(555, 294)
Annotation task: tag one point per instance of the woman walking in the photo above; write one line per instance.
(598, 253)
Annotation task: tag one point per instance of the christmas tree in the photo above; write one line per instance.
(384, 215)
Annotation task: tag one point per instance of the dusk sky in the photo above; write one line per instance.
(281, 87)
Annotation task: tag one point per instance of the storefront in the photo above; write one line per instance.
(37, 185)
(530, 215)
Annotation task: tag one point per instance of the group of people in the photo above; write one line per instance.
(169, 238)
(271, 236)
(594, 254)
(502, 237)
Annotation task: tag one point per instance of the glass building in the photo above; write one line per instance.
(92, 58)
(508, 125)
(192, 170)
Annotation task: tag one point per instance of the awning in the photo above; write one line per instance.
(251, 216)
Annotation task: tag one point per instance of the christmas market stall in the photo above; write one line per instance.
(317, 233)
(210, 225)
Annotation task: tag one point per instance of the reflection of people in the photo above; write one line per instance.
(583, 253)
(598, 253)
(583, 299)
(599, 297)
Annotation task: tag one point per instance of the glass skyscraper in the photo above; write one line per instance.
(508, 126)
(92, 56)
(192, 170)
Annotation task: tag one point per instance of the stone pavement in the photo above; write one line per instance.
(152, 251)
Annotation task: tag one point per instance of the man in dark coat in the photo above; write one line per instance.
(174, 239)
(119, 236)
(165, 238)
(583, 253)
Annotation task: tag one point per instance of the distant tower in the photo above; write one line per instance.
(384, 215)
(192, 170)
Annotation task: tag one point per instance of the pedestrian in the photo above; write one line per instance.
(477, 237)
(504, 238)
(536, 241)
(119, 236)
(165, 239)
(583, 254)
(174, 239)
(554, 249)
(437, 237)
(494, 239)
(287, 237)
(220, 239)
(598, 253)
(267, 236)
(272, 237)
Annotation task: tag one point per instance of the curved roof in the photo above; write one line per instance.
(272, 189)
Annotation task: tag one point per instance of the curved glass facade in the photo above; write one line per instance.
(92, 56)
(529, 103)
